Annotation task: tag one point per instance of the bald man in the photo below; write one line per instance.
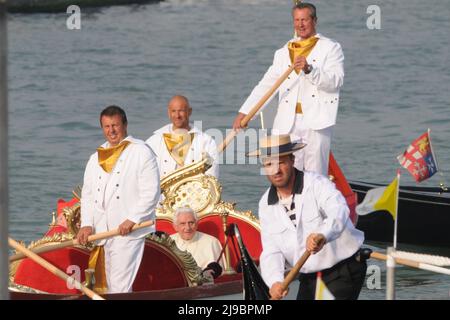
(179, 143)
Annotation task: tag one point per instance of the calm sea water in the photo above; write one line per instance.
(214, 52)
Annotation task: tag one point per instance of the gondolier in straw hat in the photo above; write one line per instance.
(308, 99)
(301, 211)
(120, 189)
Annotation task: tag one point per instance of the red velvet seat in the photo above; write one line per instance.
(157, 263)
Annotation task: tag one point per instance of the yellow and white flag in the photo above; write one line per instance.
(322, 292)
(383, 198)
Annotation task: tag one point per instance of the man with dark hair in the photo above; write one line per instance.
(112, 111)
(304, 211)
(121, 188)
(309, 98)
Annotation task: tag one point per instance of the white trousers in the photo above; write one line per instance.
(315, 156)
(122, 260)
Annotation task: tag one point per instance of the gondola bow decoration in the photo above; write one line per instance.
(254, 286)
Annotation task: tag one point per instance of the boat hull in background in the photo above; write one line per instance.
(423, 219)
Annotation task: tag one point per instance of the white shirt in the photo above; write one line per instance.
(203, 248)
(319, 208)
(202, 143)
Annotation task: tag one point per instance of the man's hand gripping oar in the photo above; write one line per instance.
(245, 119)
(314, 243)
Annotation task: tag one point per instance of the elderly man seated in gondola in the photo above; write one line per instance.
(205, 249)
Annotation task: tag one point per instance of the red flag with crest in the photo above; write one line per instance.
(419, 158)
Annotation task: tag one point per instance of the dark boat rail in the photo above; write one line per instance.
(405, 188)
(416, 194)
(425, 216)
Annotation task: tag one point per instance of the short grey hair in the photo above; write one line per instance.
(181, 210)
(310, 6)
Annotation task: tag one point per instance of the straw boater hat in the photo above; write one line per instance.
(276, 146)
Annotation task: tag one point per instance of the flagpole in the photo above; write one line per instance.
(396, 209)
(262, 120)
(442, 182)
(431, 148)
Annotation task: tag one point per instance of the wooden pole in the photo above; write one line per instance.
(255, 109)
(4, 272)
(47, 265)
(69, 243)
(295, 270)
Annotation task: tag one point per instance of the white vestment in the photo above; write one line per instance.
(203, 248)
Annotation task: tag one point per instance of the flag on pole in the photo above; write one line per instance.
(322, 292)
(383, 198)
(419, 158)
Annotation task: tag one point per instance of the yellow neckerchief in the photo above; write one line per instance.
(97, 262)
(178, 145)
(301, 48)
(107, 157)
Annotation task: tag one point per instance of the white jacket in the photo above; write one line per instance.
(131, 191)
(318, 91)
(202, 143)
(320, 208)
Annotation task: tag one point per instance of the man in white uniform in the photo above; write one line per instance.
(309, 97)
(203, 247)
(179, 143)
(304, 211)
(121, 188)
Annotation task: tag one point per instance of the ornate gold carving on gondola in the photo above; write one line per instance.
(190, 268)
(190, 186)
(53, 222)
(14, 265)
(228, 208)
(77, 192)
(43, 242)
(14, 287)
(73, 218)
(187, 171)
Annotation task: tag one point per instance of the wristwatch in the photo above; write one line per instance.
(309, 69)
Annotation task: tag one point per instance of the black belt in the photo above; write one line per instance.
(357, 256)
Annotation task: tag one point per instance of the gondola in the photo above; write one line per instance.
(165, 272)
(423, 216)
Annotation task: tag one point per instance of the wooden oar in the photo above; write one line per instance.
(47, 265)
(411, 263)
(255, 109)
(295, 270)
(69, 243)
